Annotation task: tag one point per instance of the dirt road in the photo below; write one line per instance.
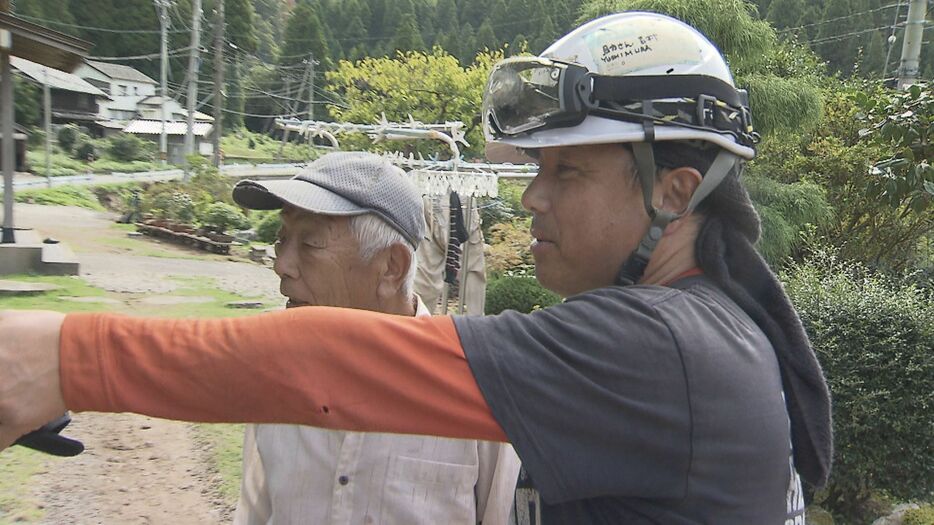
(135, 469)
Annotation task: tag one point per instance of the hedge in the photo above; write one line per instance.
(874, 337)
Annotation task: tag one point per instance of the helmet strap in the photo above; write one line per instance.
(638, 260)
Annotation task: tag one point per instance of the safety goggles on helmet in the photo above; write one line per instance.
(527, 94)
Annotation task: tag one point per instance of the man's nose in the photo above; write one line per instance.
(286, 263)
(535, 196)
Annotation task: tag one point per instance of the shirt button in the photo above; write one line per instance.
(343, 480)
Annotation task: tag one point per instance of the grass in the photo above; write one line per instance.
(146, 247)
(223, 445)
(17, 504)
(70, 287)
(190, 286)
(64, 165)
(80, 196)
(265, 148)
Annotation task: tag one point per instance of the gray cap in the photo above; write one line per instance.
(344, 183)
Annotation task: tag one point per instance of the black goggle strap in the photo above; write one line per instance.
(660, 87)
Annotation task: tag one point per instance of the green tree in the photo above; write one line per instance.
(408, 37)
(486, 38)
(48, 12)
(234, 101)
(838, 50)
(241, 24)
(429, 86)
(546, 35)
(467, 43)
(785, 13)
(27, 102)
(304, 35)
(446, 16)
(809, 22)
(874, 56)
(519, 45)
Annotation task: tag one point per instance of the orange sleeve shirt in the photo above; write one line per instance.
(326, 367)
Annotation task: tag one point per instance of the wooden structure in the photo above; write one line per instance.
(36, 44)
(187, 235)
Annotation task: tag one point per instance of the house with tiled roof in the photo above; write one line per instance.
(73, 99)
(125, 85)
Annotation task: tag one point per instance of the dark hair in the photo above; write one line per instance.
(725, 250)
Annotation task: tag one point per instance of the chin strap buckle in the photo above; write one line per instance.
(638, 260)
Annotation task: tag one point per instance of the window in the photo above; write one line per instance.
(135, 90)
(122, 89)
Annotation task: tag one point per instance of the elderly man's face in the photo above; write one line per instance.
(318, 262)
(587, 216)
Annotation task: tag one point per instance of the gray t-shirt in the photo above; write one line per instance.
(643, 404)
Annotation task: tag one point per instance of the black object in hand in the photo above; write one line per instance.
(49, 440)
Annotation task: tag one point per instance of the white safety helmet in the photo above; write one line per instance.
(636, 77)
(636, 56)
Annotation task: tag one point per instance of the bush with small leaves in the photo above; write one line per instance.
(221, 217)
(268, 227)
(85, 150)
(126, 147)
(521, 293)
(67, 136)
(875, 340)
(923, 515)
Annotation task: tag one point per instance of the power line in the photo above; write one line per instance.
(101, 29)
(851, 15)
(844, 36)
(172, 53)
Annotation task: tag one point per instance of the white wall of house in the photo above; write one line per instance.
(125, 94)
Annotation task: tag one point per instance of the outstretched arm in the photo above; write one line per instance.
(327, 367)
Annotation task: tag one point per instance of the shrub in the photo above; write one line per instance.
(85, 149)
(67, 136)
(36, 138)
(126, 147)
(509, 253)
(920, 516)
(268, 227)
(521, 293)
(166, 202)
(875, 340)
(222, 216)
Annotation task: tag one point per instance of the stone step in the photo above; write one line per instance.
(24, 288)
(27, 237)
(58, 259)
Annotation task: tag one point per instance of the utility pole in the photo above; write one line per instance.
(218, 82)
(911, 48)
(311, 88)
(293, 107)
(164, 67)
(7, 149)
(47, 121)
(193, 81)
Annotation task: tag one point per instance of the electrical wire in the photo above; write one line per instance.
(171, 54)
(829, 20)
(100, 29)
(844, 36)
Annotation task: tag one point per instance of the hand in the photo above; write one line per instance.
(30, 385)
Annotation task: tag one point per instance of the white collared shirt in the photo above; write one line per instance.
(299, 474)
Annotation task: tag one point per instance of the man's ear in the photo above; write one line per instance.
(397, 259)
(674, 189)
